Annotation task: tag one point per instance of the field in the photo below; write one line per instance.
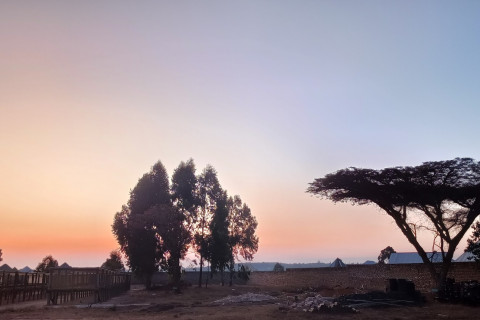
(200, 303)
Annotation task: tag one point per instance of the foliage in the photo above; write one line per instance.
(47, 263)
(474, 242)
(182, 223)
(208, 191)
(1, 259)
(278, 267)
(219, 249)
(242, 227)
(184, 185)
(440, 197)
(385, 254)
(242, 238)
(114, 262)
(160, 221)
(148, 228)
(176, 239)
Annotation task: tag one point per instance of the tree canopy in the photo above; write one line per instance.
(441, 197)
(47, 263)
(278, 267)
(149, 227)
(114, 261)
(219, 249)
(208, 192)
(385, 254)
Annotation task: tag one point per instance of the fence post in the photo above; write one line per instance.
(49, 290)
(16, 281)
(2, 287)
(25, 284)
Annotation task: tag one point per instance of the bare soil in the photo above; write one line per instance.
(217, 302)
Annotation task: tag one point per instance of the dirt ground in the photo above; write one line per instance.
(199, 303)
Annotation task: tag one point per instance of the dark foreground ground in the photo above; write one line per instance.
(199, 303)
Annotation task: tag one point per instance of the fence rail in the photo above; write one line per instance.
(95, 283)
(22, 286)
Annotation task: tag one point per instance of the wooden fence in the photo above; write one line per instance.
(93, 284)
(22, 286)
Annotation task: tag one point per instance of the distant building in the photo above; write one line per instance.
(65, 266)
(26, 269)
(466, 257)
(6, 267)
(413, 257)
(337, 263)
(369, 262)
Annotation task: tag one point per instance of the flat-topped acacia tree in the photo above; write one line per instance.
(441, 197)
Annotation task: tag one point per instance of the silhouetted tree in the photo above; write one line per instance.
(143, 228)
(219, 246)
(442, 197)
(209, 190)
(47, 263)
(114, 262)
(474, 242)
(185, 199)
(278, 267)
(175, 238)
(385, 254)
(184, 192)
(1, 259)
(242, 226)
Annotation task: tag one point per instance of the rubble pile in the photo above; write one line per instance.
(247, 297)
(317, 304)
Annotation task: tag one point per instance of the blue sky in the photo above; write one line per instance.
(272, 93)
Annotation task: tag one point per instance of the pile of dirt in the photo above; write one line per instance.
(316, 304)
(247, 297)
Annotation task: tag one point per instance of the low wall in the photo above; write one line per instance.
(189, 277)
(365, 277)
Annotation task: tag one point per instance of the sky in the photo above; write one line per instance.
(273, 94)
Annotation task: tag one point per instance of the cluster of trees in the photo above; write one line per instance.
(162, 220)
(114, 262)
(441, 197)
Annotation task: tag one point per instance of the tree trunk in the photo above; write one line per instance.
(201, 271)
(176, 273)
(232, 271)
(148, 281)
(407, 232)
